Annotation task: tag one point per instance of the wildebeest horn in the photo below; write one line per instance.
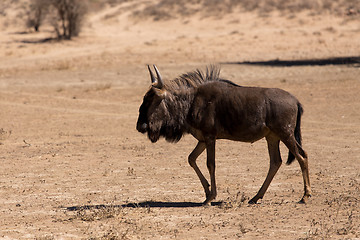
(153, 79)
(160, 83)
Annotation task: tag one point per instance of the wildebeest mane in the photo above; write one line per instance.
(195, 79)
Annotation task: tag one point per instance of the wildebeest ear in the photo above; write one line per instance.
(160, 92)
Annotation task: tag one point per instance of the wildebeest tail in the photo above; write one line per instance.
(297, 134)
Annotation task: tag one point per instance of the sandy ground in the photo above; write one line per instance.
(74, 166)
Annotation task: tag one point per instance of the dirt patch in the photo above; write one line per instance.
(73, 165)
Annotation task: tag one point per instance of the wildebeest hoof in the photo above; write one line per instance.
(305, 199)
(206, 203)
(254, 200)
(209, 199)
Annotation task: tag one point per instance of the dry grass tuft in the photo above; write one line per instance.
(96, 214)
(235, 200)
(4, 134)
(45, 237)
(339, 220)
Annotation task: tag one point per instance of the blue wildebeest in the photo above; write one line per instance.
(211, 108)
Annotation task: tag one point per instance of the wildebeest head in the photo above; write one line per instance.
(152, 112)
(165, 108)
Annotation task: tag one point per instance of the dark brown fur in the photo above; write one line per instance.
(211, 108)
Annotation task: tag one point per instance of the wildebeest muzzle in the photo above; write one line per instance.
(142, 127)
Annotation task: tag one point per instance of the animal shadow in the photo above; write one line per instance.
(146, 204)
(352, 60)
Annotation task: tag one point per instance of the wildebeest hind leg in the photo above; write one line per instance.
(275, 163)
(301, 157)
(200, 147)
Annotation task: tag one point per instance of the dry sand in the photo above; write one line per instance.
(74, 166)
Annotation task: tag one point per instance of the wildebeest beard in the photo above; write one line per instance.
(171, 124)
(170, 134)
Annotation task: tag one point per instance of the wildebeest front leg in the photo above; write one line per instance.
(210, 162)
(200, 147)
(275, 163)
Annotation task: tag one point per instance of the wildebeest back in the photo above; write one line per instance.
(229, 111)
